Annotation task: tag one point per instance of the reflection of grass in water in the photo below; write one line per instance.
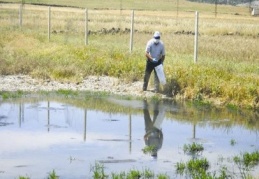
(8, 95)
(67, 92)
(98, 100)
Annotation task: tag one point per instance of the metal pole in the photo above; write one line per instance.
(49, 23)
(132, 31)
(86, 27)
(196, 37)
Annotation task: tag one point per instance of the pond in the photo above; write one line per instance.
(71, 136)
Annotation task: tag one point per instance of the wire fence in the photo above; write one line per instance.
(107, 27)
(77, 24)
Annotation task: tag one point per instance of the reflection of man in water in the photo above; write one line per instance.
(154, 135)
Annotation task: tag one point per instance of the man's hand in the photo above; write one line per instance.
(154, 60)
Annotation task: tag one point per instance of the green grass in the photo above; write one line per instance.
(249, 160)
(11, 95)
(246, 162)
(227, 69)
(233, 142)
(193, 149)
(23, 177)
(177, 6)
(194, 168)
(53, 175)
(149, 149)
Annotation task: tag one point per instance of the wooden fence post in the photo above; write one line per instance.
(196, 37)
(86, 27)
(20, 15)
(49, 22)
(132, 31)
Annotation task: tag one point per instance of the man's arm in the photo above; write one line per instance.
(163, 58)
(149, 56)
(163, 54)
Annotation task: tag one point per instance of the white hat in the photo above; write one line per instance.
(156, 34)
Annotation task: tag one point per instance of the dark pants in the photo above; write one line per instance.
(149, 68)
(148, 122)
(153, 136)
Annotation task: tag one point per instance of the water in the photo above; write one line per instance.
(70, 136)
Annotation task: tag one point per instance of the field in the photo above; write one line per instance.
(226, 73)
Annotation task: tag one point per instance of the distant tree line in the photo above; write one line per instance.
(230, 2)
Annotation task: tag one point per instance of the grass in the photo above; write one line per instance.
(193, 149)
(177, 6)
(149, 149)
(195, 168)
(53, 175)
(99, 172)
(226, 72)
(7, 95)
(249, 160)
(233, 142)
(246, 162)
(198, 168)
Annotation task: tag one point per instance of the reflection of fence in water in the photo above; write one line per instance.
(49, 108)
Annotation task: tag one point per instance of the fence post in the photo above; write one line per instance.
(49, 23)
(132, 31)
(20, 15)
(86, 27)
(196, 37)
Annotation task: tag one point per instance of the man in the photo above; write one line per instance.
(155, 55)
(154, 135)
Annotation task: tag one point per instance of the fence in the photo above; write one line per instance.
(126, 28)
(81, 23)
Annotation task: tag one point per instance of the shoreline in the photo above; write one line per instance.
(112, 85)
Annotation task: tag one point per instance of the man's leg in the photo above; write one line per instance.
(147, 118)
(149, 68)
(156, 82)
